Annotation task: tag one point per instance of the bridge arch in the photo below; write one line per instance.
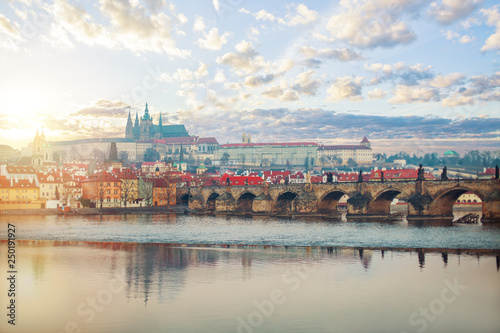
(285, 203)
(210, 204)
(381, 203)
(328, 203)
(443, 201)
(245, 202)
(184, 199)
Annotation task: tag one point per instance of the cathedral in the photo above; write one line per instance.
(144, 129)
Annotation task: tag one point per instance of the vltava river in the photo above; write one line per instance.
(162, 273)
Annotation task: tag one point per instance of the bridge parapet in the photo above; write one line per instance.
(425, 198)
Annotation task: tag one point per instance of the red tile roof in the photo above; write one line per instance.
(20, 170)
(280, 144)
(338, 147)
(365, 140)
(102, 176)
(208, 140)
(184, 140)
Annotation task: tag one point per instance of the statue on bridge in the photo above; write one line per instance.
(360, 177)
(228, 182)
(496, 172)
(420, 174)
(329, 177)
(382, 176)
(444, 174)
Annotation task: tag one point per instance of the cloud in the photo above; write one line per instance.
(301, 16)
(492, 19)
(198, 24)
(6, 27)
(404, 94)
(130, 27)
(282, 93)
(445, 81)
(213, 40)
(449, 11)
(297, 15)
(280, 125)
(450, 35)
(345, 88)
(377, 93)
(304, 84)
(400, 73)
(245, 59)
(342, 54)
(105, 108)
(457, 100)
(371, 24)
(263, 15)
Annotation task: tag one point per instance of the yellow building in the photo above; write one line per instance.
(19, 194)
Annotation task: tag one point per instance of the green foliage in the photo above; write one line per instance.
(151, 155)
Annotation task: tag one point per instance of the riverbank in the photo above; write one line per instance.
(177, 209)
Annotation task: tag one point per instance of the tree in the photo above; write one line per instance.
(352, 163)
(146, 190)
(151, 155)
(288, 164)
(99, 188)
(224, 159)
(127, 190)
(306, 163)
(123, 155)
(208, 162)
(58, 196)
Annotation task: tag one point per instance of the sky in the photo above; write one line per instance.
(413, 75)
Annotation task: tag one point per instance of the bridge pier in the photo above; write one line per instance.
(491, 208)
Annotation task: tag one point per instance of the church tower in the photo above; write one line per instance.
(42, 151)
(137, 127)
(159, 135)
(129, 130)
(146, 124)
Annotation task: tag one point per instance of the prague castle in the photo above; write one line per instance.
(144, 129)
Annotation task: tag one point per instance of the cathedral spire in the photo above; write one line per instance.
(160, 123)
(146, 111)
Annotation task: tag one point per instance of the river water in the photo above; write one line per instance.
(168, 273)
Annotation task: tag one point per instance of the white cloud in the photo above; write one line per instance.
(370, 24)
(444, 81)
(301, 16)
(213, 40)
(457, 100)
(493, 19)
(281, 93)
(376, 93)
(6, 27)
(199, 25)
(343, 54)
(450, 35)
(216, 5)
(304, 83)
(466, 39)
(404, 94)
(182, 18)
(448, 11)
(245, 59)
(263, 15)
(131, 27)
(219, 76)
(202, 70)
(345, 88)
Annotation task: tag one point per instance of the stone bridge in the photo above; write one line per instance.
(425, 198)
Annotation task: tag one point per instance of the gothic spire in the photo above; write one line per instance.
(146, 111)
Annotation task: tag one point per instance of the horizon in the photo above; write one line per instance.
(411, 76)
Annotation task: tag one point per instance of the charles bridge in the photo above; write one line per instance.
(425, 198)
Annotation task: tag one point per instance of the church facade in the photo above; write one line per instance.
(144, 129)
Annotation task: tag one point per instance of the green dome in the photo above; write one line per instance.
(451, 153)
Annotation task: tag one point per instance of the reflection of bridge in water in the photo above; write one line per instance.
(425, 198)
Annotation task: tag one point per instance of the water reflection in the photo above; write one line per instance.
(187, 288)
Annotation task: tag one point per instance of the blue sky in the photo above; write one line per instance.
(411, 75)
